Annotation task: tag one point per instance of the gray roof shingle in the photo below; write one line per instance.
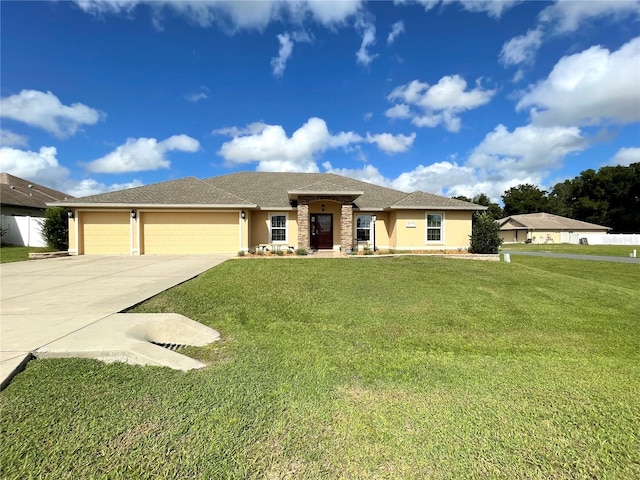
(269, 190)
(19, 192)
(547, 221)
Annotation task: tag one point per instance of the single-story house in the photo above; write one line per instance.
(247, 210)
(22, 209)
(19, 197)
(545, 228)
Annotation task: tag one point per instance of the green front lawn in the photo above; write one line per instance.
(606, 250)
(407, 367)
(9, 253)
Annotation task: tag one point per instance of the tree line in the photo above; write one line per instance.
(609, 197)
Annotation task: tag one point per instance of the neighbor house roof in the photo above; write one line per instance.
(269, 190)
(18, 192)
(545, 221)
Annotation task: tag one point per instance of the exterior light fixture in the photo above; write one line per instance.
(323, 207)
(133, 214)
(70, 214)
(243, 214)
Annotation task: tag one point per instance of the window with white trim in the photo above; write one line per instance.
(278, 228)
(435, 227)
(363, 228)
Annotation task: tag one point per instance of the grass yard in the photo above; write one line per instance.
(412, 367)
(10, 253)
(606, 250)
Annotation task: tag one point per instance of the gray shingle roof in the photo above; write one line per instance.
(186, 191)
(546, 221)
(17, 192)
(268, 190)
(423, 200)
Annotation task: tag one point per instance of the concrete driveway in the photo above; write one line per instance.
(42, 301)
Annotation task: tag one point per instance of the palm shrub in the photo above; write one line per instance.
(485, 235)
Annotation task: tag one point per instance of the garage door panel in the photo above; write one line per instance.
(106, 233)
(190, 233)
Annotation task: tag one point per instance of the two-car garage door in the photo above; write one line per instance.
(114, 233)
(189, 232)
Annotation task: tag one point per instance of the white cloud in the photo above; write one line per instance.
(43, 167)
(232, 16)
(521, 49)
(270, 146)
(396, 29)
(368, 31)
(368, 173)
(368, 116)
(527, 149)
(89, 186)
(391, 144)
(568, 16)
(626, 156)
(139, 154)
(561, 18)
(12, 139)
(493, 8)
(44, 110)
(197, 96)
(279, 63)
(437, 104)
(589, 88)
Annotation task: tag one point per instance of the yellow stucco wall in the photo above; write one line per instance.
(105, 233)
(189, 232)
(408, 231)
(259, 227)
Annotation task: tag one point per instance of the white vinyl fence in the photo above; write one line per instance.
(608, 238)
(22, 231)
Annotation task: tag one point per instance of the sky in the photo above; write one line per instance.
(448, 97)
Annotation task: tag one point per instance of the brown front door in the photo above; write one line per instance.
(321, 225)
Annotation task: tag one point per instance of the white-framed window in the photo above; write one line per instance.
(363, 228)
(278, 227)
(435, 227)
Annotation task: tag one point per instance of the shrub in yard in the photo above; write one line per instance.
(279, 253)
(55, 228)
(302, 251)
(241, 253)
(485, 235)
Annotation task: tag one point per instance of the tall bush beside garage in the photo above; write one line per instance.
(55, 229)
(485, 234)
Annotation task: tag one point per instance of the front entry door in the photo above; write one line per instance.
(321, 225)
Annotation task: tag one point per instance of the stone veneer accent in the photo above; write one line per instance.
(346, 226)
(303, 225)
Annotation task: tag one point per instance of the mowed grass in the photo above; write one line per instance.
(606, 250)
(395, 368)
(9, 253)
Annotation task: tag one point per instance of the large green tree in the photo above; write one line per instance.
(485, 234)
(525, 198)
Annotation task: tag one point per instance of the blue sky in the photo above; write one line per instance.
(453, 98)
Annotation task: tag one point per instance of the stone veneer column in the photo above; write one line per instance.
(346, 226)
(303, 226)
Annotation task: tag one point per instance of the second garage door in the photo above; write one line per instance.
(106, 233)
(189, 232)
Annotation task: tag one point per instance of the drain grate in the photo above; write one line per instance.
(171, 346)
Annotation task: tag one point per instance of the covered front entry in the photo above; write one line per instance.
(321, 226)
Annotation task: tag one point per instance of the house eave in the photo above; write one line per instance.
(150, 205)
(436, 207)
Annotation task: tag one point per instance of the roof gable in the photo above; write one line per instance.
(423, 200)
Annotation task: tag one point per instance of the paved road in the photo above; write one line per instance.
(42, 301)
(575, 256)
